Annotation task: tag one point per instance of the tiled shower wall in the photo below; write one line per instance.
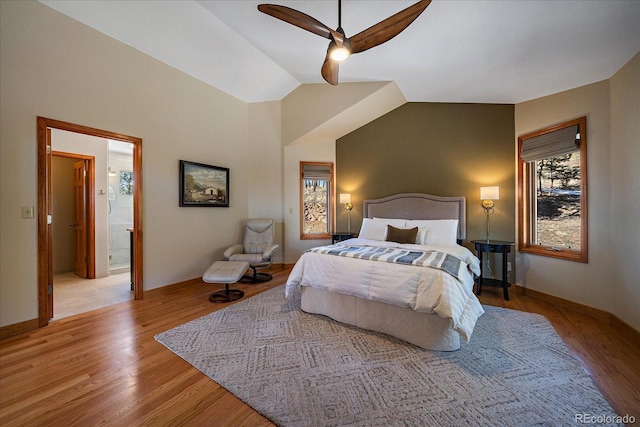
(120, 212)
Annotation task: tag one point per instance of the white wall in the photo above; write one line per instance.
(55, 67)
(579, 282)
(264, 167)
(609, 281)
(625, 192)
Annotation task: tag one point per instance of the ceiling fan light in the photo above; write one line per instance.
(339, 53)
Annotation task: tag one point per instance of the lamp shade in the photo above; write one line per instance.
(345, 197)
(490, 193)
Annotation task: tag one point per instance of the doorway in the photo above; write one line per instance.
(73, 208)
(93, 214)
(46, 217)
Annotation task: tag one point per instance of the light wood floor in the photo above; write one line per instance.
(74, 295)
(104, 367)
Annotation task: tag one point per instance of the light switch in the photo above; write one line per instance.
(26, 211)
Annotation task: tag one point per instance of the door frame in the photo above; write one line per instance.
(45, 235)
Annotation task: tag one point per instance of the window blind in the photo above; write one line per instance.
(322, 172)
(561, 141)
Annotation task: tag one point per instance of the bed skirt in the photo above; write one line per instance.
(426, 330)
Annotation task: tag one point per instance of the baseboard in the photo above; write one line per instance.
(601, 315)
(18, 328)
(168, 289)
(198, 280)
(626, 330)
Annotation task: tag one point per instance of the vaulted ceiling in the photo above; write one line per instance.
(456, 51)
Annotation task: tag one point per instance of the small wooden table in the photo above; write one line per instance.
(496, 246)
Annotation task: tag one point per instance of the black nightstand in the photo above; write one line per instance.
(339, 237)
(496, 246)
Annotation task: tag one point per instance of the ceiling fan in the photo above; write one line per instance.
(341, 46)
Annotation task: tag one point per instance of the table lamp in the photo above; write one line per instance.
(345, 198)
(488, 195)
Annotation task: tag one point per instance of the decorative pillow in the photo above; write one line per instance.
(401, 235)
(376, 229)
(437, 231)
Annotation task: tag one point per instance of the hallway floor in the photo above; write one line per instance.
(73, 295)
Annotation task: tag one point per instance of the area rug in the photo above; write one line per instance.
(299, 369)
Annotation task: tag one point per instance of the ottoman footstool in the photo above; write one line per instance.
(225, 272)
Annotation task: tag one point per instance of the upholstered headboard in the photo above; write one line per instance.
(419, 206)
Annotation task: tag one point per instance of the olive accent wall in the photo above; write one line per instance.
(444, 149)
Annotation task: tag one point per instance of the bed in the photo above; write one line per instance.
(417, 288)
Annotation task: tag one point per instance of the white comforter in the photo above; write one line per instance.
(424, 289)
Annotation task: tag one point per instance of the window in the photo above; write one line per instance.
(316, 200)
(552, 185)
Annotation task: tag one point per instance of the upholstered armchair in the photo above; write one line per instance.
(257, 249)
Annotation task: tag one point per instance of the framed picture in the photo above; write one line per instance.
(203, 185)
(126, 183)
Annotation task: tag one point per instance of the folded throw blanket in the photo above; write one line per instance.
(434, 259)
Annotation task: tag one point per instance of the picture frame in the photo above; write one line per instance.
(126, 183)
(203, 185)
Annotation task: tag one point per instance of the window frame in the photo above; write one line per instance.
(330, 203)
(526, 199)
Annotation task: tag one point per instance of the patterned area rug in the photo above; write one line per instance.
(299, 369)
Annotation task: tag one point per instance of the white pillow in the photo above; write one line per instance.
(435, 231)
(376, 229)
(396, 222)
(421, 237)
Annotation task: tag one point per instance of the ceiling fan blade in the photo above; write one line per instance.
(300, 20)
(387, 29)
(330, 69)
